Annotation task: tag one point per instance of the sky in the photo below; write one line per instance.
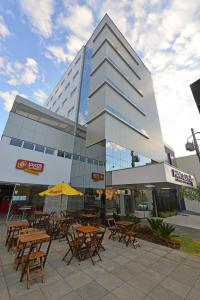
(39, 38)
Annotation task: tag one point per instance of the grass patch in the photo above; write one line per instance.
(188, 245)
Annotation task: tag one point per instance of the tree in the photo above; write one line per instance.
(191, 194)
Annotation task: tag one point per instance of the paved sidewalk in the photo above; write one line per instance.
(186, 220)
(150, 272)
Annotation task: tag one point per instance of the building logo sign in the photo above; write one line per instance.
(182, 177)
(31, 167)
(97, 176)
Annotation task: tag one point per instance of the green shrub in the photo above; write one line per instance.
(166, 214)
(131, 219)
(165, 230)
(155, 224)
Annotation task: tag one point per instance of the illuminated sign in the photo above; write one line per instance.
(31, 167)
(97, 176)
(182, 177)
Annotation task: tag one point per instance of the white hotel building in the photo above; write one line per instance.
(99, 130)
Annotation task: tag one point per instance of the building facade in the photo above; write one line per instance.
(100, 131)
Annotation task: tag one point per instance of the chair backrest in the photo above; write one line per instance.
(111, 222)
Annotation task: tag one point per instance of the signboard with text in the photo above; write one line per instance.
(182, 177)
(31, 167)
(97, 176)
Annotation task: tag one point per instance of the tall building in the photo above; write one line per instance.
(100, 131)
(195, 88)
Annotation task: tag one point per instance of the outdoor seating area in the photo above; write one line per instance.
(89, 264)
(29, 241)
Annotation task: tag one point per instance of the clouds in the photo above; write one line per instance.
(4, 31)
(18, 73)
(8, 98)
(76, 35)
(39, 13)
(40, 96)
(165, 33)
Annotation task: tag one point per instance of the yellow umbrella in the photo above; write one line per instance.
(61, 189)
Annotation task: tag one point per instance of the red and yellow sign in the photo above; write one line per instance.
(97, 176)
(31, 167)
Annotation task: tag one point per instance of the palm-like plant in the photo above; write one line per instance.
(155, 224)
(165, 230)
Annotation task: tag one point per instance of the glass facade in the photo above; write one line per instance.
(118, 157)
(85, 87)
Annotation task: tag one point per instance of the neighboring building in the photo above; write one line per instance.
(190, 164)
(101, 123)
(195, 87)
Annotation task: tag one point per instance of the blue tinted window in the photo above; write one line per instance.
(85, 87)
(118, 157)
(39, 148)
(28, 145)
(16, 142)
(49, 150)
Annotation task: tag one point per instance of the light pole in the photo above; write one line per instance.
(192, 146)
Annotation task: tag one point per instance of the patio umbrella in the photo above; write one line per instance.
(61, 189)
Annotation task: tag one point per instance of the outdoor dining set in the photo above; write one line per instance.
(30, 240)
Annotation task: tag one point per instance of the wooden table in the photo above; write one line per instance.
(57, 218)
(33, 237)
(88, 216)
(124, 223)
(40, 213)
(87, 229)
(14, 226)
(17, 224)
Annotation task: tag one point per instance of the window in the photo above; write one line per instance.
(75, 75)
(57, 109)
(67, 86)
(77, 60)
(101, 163)
(56, 90)
(28, 145)
(60, 95)
(69, 72)
(96, 162)
(82, 158)
(61, 153)
(64, 101)
(39, 148)
(74, 90)
(68, 155)
(62, 82)
(16, 142)
(49, 151)
(54, 103)
(70, 111)
(90, 161)
(76, 157)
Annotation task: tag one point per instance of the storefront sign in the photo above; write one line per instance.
(31, 167)
(182, 177)
(97, 176)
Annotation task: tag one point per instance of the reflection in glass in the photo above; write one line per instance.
(85, 87)
(118, 157)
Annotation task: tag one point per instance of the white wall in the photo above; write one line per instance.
(56, 169)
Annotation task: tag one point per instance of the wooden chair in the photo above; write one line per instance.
(75, 245)
(34, 261)
(19, 247)
(131, 237)
(93, 245)
(113, 228)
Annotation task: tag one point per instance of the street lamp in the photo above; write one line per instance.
(193, 145)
